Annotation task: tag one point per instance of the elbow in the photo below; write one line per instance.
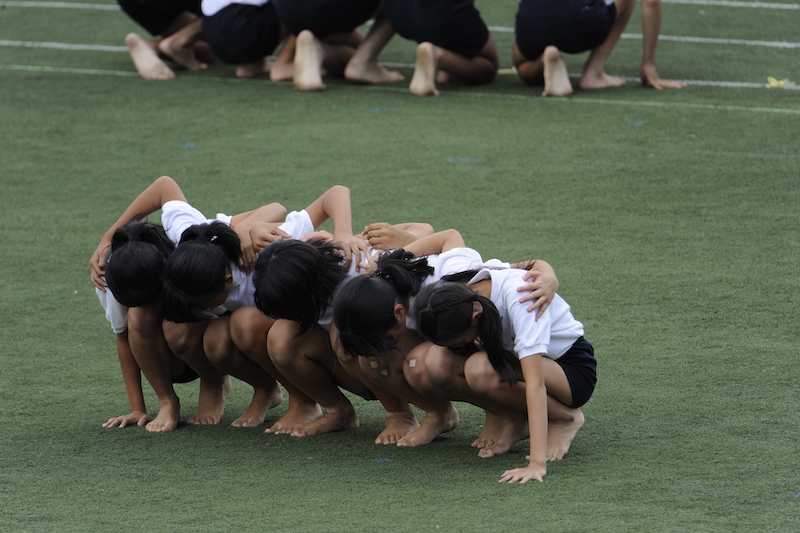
(279, 209)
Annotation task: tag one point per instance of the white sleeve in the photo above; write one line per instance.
(297, 224)
(530, 336)
(458, 260)
(116, 313)
(178, 216)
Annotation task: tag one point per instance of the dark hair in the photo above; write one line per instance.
(443, 311)
(135, 267)
(196, 270)
(295, 280)
(363, 310)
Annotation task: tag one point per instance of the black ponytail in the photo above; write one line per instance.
(363, 310)
(443, 312)
(136, 264)
(296, 280)
(196, 271)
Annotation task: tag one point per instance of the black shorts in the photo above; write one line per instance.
(242, 33)
(580, 366)
(454, 25)
(325, 17)
(156, 16)
(572, 26)
(186, 376)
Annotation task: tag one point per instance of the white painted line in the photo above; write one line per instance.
(703, 83)
(682, 39)
(60, 5)
(732, 3)
(700, 83)
(65, 46)
(705, 40)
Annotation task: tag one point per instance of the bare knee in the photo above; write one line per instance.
(480, 374)
(180, 338)
(217, 343)
(414, 369)
(144, 320)
(281, 343)
(248, 328)
(441, 365)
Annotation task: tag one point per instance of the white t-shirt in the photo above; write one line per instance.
(552, 335)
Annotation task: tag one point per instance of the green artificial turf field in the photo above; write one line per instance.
(670, 217)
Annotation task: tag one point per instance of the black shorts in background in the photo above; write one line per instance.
(572, 26)
(156, 16)
(325, 17)
(454, 25)
(240, 33)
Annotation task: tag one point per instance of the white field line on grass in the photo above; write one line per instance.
(65, 46)
(632, 36)
(683, 39)
(103, 48)
(733, 3)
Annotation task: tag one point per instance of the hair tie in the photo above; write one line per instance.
(381, 274)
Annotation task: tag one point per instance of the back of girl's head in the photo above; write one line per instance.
(363, 310)
(196, 270)
(443, 312)
(135, 266)
(296, 280)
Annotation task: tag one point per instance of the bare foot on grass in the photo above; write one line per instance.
(492, 426)
(263, 401)
(251, 70)
(330, 421)
(182, 55)
(556, 76)
(211, 404)
(145, 58)
(513, 429)
(298, 413)
(435, 424)
(561, 434)
(169, 414)
(281, 71)
(370, 71)
(423, 82)
(308, 58)
(592, 80)
(398, 425)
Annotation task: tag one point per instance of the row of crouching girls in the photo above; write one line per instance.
(397, 314)
(314, 38)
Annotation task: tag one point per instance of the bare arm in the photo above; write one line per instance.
(536, 400)
(334, 204)
(161, 191)
(132, 378)
(385, 236)
(269, 215)
(651, 27)
(437, 243)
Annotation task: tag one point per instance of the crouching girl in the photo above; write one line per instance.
(543, 367)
